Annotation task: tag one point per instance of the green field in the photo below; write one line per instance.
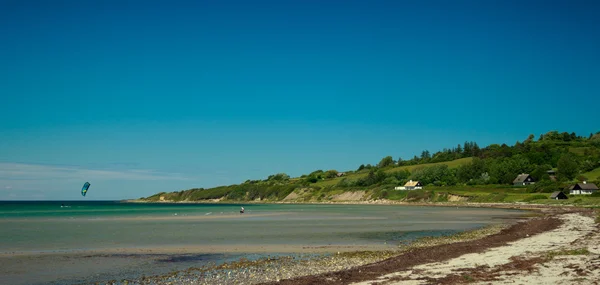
(501, 194)
(451, 164)
(363, 173)
(579, 150)
(593, 175)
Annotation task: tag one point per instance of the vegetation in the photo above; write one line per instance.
(579, 251)
(464, 172)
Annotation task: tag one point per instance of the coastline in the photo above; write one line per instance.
(546, 226)
(561, 246)
(508, 205)
(356, 266)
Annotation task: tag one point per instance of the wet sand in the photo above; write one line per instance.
(560, 248)
(491, 256)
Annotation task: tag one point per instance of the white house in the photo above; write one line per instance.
(410, 185)
(583, 188)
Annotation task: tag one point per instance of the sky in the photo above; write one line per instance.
(140, 97)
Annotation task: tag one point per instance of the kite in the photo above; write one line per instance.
(84, 189)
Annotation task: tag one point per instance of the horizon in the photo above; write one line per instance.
(141, 98)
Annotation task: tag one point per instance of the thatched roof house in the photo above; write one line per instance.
(523, 179)
(411, 185)
(558, 195)
(583, 188)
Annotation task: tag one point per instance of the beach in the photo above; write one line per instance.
(550, 245)
(561, 247)
(119, 243)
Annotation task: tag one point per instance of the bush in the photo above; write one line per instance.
(391, 181)
(544, 186)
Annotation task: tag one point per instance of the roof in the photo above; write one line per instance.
(521, 178)
(585, 186)
(411, 183)
(556, 193)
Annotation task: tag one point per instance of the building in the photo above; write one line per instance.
(523, 179)
(340, 174)
(583, 188)
(558, 195)
(551, 175)
(410, 185)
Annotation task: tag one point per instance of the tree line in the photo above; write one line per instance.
(567, 153)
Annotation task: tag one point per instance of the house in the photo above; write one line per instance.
(340, 174)
(583, 188)
(410, 185)
(551, 174)
(523, 179)
(558, 195)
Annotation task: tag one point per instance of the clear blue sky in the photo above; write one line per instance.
(139, 97)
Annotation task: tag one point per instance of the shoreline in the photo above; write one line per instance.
(470, 261)
(356, 266)
(507, 205)
(407, 264)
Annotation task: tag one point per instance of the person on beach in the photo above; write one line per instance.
(242, 210)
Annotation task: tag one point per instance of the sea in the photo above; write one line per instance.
(74, 242)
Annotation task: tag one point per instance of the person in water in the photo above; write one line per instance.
(242, 210)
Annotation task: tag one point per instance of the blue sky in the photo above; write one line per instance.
(140, 97)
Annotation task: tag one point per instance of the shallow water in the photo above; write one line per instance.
(158, 237)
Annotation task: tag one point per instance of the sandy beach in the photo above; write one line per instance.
(554, 245)
(562, 247)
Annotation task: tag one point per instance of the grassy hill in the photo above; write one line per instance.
(462, 173)
(593, 175)
(361, 174)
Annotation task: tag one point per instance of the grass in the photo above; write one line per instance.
(579, 150)
(509, 194)
(451, 164)
(354, 176)
(579, 251)
(593, 175)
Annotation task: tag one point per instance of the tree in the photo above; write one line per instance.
(467, 149)
(567, 166)
(386, 161)
(400, 161)
(529, 138)
(425, 155)
(400, 174)
(361, 167)
(279, 177)
(331, 173)
(541, 172)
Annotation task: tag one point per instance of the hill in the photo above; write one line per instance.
(445, 173)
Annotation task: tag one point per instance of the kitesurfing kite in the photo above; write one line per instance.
(85, 188)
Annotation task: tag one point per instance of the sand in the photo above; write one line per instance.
(577, 234)
(560, 247)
